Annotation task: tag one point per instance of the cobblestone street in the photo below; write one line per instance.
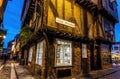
(12, 70)
(112, 76)
(115, 75)
(5, 70)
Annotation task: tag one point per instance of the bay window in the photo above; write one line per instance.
(63, 53)
(39, 53)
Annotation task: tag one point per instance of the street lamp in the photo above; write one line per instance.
(4, 36)
(1, 2)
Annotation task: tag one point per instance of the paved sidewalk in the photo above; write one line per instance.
(98, 74)
(1, 62)
(5, 71)
(95, 74)
(22, 73)
(13, 74)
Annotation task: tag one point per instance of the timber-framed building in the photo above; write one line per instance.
(68, 37)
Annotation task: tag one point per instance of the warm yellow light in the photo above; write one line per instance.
(4, 36)
(1, 2)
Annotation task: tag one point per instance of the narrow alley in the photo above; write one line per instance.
(12, 70)
(59, 39)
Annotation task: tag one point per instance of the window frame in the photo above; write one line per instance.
(84, 50)
(71, 54)
(38, 54)
(107, 28)
(30, 54)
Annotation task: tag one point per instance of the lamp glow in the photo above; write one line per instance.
(1, 2)
(4, 36)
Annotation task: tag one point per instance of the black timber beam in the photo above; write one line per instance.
(110, 17)
(88, 4)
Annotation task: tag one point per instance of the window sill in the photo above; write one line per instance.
(63, 66)
(38, 65)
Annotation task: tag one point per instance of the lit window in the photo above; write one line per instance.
(107, 29)
(39, 53)
(84, 51)
(63, 53)
(30, 53)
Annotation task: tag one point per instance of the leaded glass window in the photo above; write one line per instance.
(63, 53)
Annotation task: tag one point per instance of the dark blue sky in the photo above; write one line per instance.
(12, 20)
(117, 27)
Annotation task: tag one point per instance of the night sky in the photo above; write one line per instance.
(12, 21)
(117, 27)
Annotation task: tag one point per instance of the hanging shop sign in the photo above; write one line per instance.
(64, 22)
